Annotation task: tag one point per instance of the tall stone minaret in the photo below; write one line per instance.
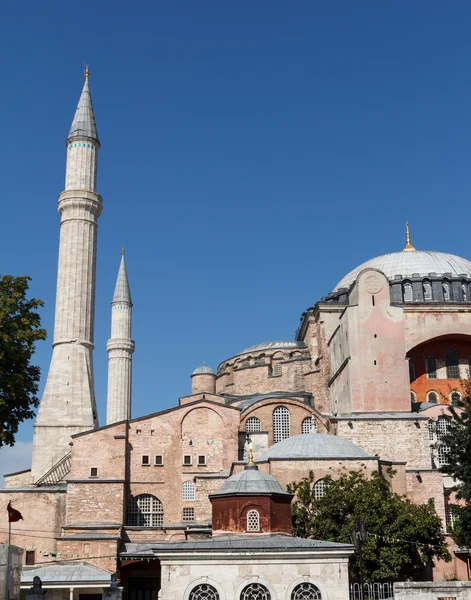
(68, 404)
(120, 348)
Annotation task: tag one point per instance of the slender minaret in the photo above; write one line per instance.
(68, 404)
(120, 348)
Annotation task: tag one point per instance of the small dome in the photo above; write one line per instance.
(274, 346)
(407, 264)
(251, 481)
(203, 370)
(314, 445)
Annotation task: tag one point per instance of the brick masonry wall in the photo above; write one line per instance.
(17, 480)
(95, 502)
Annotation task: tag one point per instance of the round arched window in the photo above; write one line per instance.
(432, 397)
(255, 591)
(145, 511)
(309, 425)
(204, 591)
(253, 520)
(252, 425)
(306, 591)
(281, 424)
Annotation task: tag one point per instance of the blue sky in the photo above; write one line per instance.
(252, 154)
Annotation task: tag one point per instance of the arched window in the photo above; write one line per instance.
(252, 425)
(255, 591)
(306, 591)
(452, 368)
(188, 490)
(432, 397)
(411, 372)
(455, 397)
(464, 291)
(446, 291)
(427, 288)
(431, 367)
(204, 591)
(281, 424)
(407, 291)
(145, 511)
(253, 520)
(319, 489)
(309, 425)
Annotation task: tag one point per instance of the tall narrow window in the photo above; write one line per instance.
(319, 489)
(446, 291)
(431, 367)
(253, 520)
(452, 368)
(253, 425)
(277, 370)
(407, 292)
(427, 288)
(455, 397)
(281, 424)
(450, 518)
(464, 291)
(411, 372)
(188, 490)
(442, 429)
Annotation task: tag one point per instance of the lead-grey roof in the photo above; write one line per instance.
(274, 346)
(122, 293)
(203, 370)
(314, 445)
(422, 262)
(65, 572)
(84, 124)
(275, 543)
(251, 481)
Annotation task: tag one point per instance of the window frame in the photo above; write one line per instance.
(187, 495)
(282, 428)
(253, 513)
(92, 474)
(187, 509)
(431, 361)
(187, 463)
(435, 393)
(406, 288)
(202, 463)
(145, 460)
(147, 508)
(318, 489)
(158, 464)
(256, 421)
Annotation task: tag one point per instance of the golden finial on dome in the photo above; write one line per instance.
(251, 462)
(122, 250)
(408, 247)
(86, 71)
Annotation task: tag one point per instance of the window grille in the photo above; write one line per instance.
(255, 591)
(94, 472)
(188, 514)
(187, 459)
(159, 460)
(432, 430)
(145, 460)
(443, 426)
(407, 292)
(204, 591)
(281, 424)
(452, 368)
(455, 398)
(446, 291)
(145, 511)
(201, 459)
(188, 490)
(319, 489)
(277, 370)
(411, 372)
(442, 454)
(432, 397)
(450, 518)
(427, 287)
(431, 367)
(309, 425)
(253, 520)
(306, 591)
(252, 425)
(464, 292)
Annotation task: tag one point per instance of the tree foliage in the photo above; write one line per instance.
(19, 330)
(458, 464)
(403, 537)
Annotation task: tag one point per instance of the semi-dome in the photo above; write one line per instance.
(406, 264)
(203, 370)
(251, 481)
(314, 445)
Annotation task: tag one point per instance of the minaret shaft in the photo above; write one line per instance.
(68, 403)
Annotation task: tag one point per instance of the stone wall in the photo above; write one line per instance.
(436, 590)
(17, 479)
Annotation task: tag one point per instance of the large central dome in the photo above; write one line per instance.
(406, 264)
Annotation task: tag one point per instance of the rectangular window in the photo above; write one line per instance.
(159, 460)
(145, 461)
(187, 459)
(188, 514)
(94, 472)
(138, 431)
(277, 370)
(30, 557)
(201, 459)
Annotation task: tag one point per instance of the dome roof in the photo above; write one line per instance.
(251, 481)
(274, 346)
(203, 370)
(406, 264)
(314, 445)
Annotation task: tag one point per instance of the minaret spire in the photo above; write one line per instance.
(408, 247)
(120, 348)
(68, 403)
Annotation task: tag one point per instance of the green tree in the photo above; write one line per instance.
(403, 537)
(19, 330)
(458, 440)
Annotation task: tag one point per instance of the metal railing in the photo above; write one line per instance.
(56, 470)
(372, 591)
